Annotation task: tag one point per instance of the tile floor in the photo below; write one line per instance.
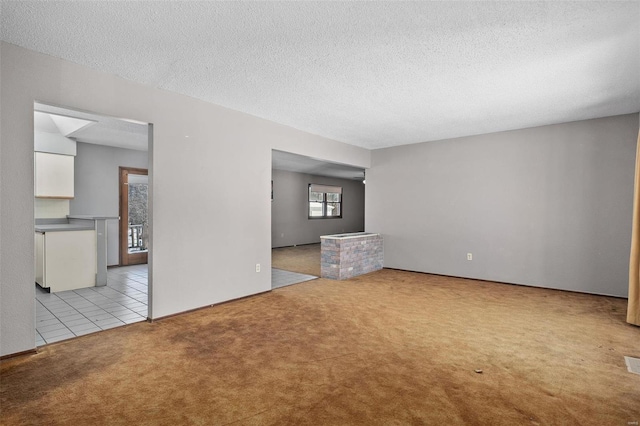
(67, 314)
(281, 278)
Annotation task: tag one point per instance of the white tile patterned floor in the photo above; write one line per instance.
(281, 278)
(67, 314)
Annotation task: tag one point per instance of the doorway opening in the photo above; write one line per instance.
(82, 153)
(295, 230)
(134, 222)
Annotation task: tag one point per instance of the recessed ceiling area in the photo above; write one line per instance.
(371, 74)
(289, 162)
(91, 128)
(54, 123)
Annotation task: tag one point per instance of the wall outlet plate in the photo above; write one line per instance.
(257, 267)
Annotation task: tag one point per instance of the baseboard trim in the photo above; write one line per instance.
(17, 354)
(152, 320)
(296, 245)
(508, 283)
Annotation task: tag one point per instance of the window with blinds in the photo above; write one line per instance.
(325, 201)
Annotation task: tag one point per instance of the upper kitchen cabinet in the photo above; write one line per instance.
(55, 148)
(53, 175)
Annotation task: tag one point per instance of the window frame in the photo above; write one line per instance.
(324, 201)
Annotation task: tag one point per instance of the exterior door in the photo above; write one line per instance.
(134, 227)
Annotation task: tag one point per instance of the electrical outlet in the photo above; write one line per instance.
(257, 267)
(469, 256)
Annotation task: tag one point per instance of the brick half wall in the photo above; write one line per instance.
(349, 255)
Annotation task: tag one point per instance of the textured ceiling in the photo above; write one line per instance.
(372, 74)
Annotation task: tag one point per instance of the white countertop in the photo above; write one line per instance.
(62, 227)
(91, 217)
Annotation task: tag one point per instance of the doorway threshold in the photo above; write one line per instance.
(282, 278)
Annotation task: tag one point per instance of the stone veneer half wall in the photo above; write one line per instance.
(348, 255)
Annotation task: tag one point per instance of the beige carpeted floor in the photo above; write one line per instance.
(303, 259)
(386, 348)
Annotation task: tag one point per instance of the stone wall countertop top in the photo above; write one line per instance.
(349, 235)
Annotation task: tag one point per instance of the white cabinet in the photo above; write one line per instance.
(66, 260)
(53, 175)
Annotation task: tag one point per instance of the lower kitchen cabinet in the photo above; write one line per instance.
(66, 260)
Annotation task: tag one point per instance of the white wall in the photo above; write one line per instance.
(548, 206)
(51, 208)
(290, 223)
(189, 270)
(96, 186)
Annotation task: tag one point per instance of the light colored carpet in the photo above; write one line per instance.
(389, 347)
(302, 259)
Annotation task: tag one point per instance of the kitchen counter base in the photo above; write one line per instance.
(66, 260)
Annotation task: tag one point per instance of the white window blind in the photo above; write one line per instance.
(325, 188)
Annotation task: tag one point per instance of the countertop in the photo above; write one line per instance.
(91, 217)
(61, 227)
(349, 235)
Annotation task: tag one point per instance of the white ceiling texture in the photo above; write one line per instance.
(371, 74)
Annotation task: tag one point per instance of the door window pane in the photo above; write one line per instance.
(138, 219)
